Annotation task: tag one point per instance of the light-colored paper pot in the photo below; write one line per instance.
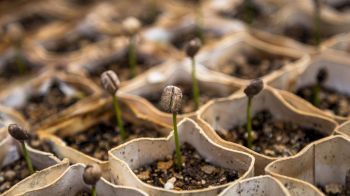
(9, 115)
(16, 97)
(227, 113)
(218, 53)
(139, 152)
(340, 43)
(343, 129)
(100, 110)
(337, 66)
(259, 186)
(155, 80)
(321, 162)
(68, 180)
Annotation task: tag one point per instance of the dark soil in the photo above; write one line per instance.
(343, 6)
(71, 43)
(188, 104)
(195, 174)
(12, 174)
(39, 144)
(41, 106)
(35, 21)
(11, 69)
(83, 193)
(97, 140)
(120, 64)
(334, 190)
(243, 13)
(330, 99)
(274, 138)
(303, 34)
(251, 66)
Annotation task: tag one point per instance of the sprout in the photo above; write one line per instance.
(321, 78)
(21, 134)
(92, 174)
(317, 22)
(132, 26)
(16, 34)
(251, 90)
(192, 49)
(171, 102)
(111, 84)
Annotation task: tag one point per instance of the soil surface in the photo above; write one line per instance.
(251, 66)
(119, 63)
(334, 190)
(188, 104)
(332, 101)
(342, 6)
(12, 69)
(303, 34)
(41, 106)
(195, 174)
(39, 144)
(97, 140)
(71, 42)
(274, 138)
(12, 174)
(240, 12)
(36, 20)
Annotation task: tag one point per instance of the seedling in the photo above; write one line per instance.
(92, 174)
(21, 134)
(251, 90)
(16, 34)
(171, 102)
(321, 77)
(191, 50)
(317, 22)
(132, 26)
(111, 84)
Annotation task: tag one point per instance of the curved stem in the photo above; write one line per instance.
(195, 88)
(132, 56)
(93, 190)
(119, 118)
(316, 95)
(177, 144)
(27, 158)
(249, 123)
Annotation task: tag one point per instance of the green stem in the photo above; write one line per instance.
(199, 25)
(27, 158)
(317, 33)
(93, 190)
(248, 13)
(316, 95)
(19, 61)
(177, 144)
(119, 118)
(195, 88)
(249, 123)
(132, 56)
